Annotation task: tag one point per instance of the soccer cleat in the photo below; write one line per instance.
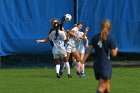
(79, 74)
(69, 76)
(83, 74)
(61, 73)
(58, 75)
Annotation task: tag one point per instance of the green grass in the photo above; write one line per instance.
(124, 80)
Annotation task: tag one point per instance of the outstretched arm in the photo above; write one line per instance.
(85, 33)
(44, 40)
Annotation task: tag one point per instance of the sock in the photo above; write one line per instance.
(98, 91)
(75, 67)
(106, 92)
(83, 68)
(57, 68)
(62, 65)
(67, 67)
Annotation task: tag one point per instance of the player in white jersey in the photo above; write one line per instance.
(71, 48)
(80, 45)
(59, 52)
(53, 20)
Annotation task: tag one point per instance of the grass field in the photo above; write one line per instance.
(124, 80)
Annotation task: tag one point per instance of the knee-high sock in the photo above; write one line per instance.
(75, 67)
(83, 68)
(67, 67)
(106, 91)
(98, 91)
(62, 65)
(57, 68)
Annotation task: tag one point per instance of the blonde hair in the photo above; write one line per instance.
(104, 22)
(105, 29)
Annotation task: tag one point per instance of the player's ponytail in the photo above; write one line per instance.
(105, 29)
(56, 27)
(103, 34)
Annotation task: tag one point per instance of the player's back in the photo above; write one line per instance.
(59, 40)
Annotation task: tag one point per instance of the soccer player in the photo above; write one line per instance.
(51, 43)
(104, 46)
(80, 46)
(71, 48)
(59, 52)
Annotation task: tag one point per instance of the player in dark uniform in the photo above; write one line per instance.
(104, 46)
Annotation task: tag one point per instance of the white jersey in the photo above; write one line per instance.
(80, 43)
(58, 42)
(72, 40)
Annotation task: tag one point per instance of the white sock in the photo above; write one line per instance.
(57, 68)
(67, 67)
(83, 68)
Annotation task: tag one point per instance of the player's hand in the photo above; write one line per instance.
(87, 28)
(87, 45)
(37, 41)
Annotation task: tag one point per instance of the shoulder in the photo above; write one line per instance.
(110, 38)
(61, 32)
(96, 36)
(51, 30)
(75, 28)
(94, 39)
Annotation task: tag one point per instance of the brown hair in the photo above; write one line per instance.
(52, 23)
(104, 22)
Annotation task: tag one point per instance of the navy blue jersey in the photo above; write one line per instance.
(102, 63)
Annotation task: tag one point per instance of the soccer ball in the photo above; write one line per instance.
(68, 17)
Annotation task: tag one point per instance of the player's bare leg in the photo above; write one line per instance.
(79, 65)
(102, 86)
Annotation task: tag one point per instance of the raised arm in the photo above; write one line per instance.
(85, 33)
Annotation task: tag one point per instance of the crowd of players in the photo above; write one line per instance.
(69, 42)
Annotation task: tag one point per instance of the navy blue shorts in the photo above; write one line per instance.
(105, 75)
